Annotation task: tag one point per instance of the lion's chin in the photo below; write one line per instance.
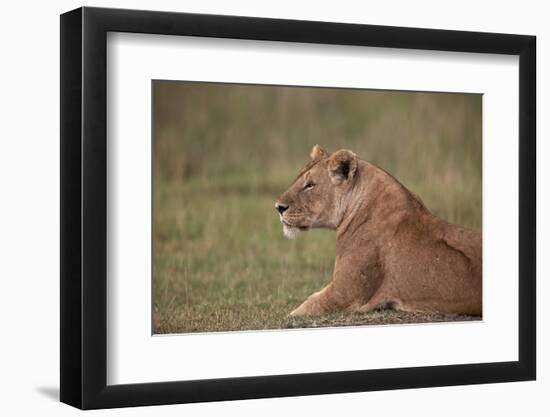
(290, 232)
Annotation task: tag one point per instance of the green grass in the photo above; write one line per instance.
(223, 154)
(222, 263)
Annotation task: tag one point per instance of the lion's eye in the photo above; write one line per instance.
(309, 186)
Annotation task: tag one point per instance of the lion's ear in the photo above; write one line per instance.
(318, 153)
(342, 166)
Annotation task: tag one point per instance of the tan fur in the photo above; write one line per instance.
(390, 250)
(317, 153)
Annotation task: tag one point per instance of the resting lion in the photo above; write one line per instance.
(391, 252)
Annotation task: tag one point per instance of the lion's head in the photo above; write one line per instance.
(317, 197)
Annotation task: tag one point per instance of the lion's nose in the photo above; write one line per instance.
(281, 208)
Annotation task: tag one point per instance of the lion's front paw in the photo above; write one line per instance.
(313, 306)
(296, 312)
(307, 308)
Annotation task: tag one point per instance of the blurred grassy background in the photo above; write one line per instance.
(222, 155)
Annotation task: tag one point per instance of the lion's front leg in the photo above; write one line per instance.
(316, 304)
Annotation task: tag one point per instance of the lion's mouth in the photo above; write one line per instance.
(292, 226)
(291, 230)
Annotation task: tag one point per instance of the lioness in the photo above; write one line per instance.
(390, 250)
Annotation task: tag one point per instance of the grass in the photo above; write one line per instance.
(224, 153)
(221, 262)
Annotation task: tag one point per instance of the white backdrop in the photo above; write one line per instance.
(30, 207)
(134, 356)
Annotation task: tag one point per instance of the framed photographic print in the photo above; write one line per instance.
(257, 207)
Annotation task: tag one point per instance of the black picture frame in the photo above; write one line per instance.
(84, 207)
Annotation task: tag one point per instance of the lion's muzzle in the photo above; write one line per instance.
(281, 208)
